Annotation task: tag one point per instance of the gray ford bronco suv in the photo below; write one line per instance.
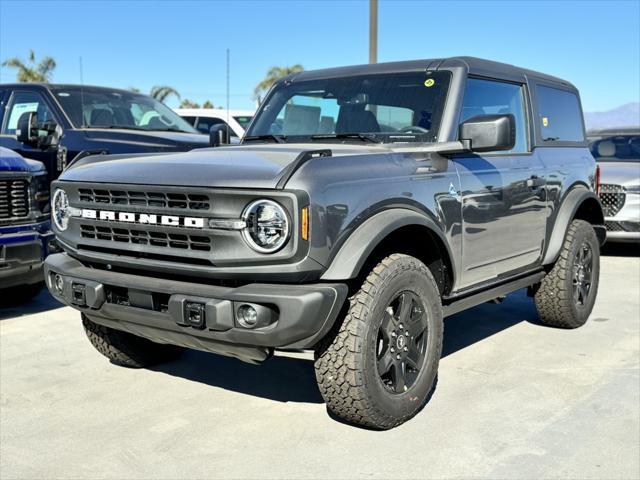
(363, 206)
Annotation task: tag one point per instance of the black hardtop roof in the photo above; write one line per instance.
(475, 66)
(614, 131)
(62, 86)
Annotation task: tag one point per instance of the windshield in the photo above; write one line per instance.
(243, 120)
(617, 148)
(399, 107)
(89, 107)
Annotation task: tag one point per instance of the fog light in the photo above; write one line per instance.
(58, 283)
(247, 316)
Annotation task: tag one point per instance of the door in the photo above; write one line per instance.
(503, 193)
(23, 101)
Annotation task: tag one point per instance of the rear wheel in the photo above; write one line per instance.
(379, 366)
(567, 294)
(128, 350)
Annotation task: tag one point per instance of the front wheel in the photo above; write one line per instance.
(566, 296)
(378, 368)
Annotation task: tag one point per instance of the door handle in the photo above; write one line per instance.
(536, 182)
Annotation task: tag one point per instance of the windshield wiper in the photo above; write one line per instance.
(275, 138)
(119, 127)
(362, 136)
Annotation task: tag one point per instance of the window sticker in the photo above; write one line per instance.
(545, 121)
(17, 110)
(429, 82)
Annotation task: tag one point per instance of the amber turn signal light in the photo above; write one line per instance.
(305, 223)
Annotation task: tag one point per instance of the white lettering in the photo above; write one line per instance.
(148, 218)
(194, 222)
(127, 217)
(143, 218)
(170, 221)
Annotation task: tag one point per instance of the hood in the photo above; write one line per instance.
(11, 161)
(255, 166)
(620, 173)
(151, 141)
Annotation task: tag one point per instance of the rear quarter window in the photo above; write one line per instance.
(560, 116)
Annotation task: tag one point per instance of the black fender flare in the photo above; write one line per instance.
(567, 212)
(354, 252)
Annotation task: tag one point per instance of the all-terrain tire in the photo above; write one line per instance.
(346, 360)
(555, 298)
(128, 350)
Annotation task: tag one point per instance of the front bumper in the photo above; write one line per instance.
(160, 309)
(22, 251)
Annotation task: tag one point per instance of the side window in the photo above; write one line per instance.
(205, 124)
(487, 97)
(24, 102)
(191, 120)
(559, 115)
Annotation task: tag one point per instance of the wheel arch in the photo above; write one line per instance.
(395, 230)
(579, 203)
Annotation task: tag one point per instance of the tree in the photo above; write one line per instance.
(30, 71)
(273, 75)
(186, 103)
(161, 93)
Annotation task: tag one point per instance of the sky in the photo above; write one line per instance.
(593, 44)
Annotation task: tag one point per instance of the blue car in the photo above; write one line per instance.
(25, 225)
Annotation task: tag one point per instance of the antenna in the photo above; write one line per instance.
(81, 94)
(228, 75)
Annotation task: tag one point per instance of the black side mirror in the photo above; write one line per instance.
(489, 133)
(219, 135)
(27, 128)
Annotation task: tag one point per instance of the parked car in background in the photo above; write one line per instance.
(205, 118)
(56, 124)
(25, 226)
(617, 152)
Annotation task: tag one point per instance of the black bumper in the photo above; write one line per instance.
(21, 257)
(159, 309)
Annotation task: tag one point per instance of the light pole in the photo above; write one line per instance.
(373, 31)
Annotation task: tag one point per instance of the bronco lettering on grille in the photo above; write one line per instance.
(143, 218)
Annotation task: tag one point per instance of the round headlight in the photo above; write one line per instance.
(60, 207)
(267, 226)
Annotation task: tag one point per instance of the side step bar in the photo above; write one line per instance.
(453, 305)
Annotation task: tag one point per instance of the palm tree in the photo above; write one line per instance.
(186, 103)
(161, 93)
(273, 75)
(32, 72)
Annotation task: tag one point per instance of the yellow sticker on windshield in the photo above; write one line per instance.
(429, 82)
(545, 121)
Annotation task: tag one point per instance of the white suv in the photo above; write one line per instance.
(205, 118)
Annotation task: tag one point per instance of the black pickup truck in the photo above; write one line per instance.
(364, 205)
(56, 124)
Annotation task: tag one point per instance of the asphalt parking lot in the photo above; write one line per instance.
(514, 400)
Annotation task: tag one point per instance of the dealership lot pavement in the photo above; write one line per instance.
(514, 400)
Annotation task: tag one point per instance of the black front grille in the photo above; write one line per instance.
(14, 198)
(614, 226)
(143, 237)
(145, 199)
(612, 198)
